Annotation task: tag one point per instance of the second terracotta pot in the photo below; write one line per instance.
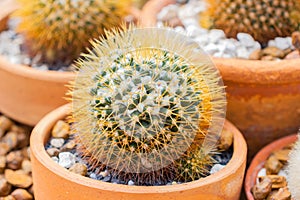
(52, 181)
(259, 160)
(263, 96)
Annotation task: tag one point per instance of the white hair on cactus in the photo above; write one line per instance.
(293, 170)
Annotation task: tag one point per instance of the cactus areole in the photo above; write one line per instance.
(145, 99)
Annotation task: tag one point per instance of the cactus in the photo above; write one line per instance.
(61, 29)
(145, 99)
(263, 19)
(293, 170)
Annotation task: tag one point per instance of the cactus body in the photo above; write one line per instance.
(144, 99)
(263, 19)
(61, 29)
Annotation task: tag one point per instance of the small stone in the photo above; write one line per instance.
(277, 181)
(21, 194)
(61, 130)
(293, 55)
(52, 152)
(26, 166)
(225, 140)
(130, 182)
(215, 35)
(18, 178)
(211, 48)
(273, 165)
(69, 146)
(93, 176)
(5, 187)
(174, 183)
(262, 189)
(2, 164)
(216, 168)
(66, 159)
(281, 194)
(11, 139)
(255, 55)
(245, 39)
(79, 168)
(14, 160)
(242, 52)
(23, 139)
(282, 43)
(4, 148)
(282, 155)
(261, 172)
(9, 197)
(26, 152)
(57, 142)
(273, 51)
(5, 124)
(55, 159)
(104, 173)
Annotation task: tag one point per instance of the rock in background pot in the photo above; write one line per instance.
(52, 181)
(259, 160)
(263, 96)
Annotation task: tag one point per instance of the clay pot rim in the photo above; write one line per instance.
(254, 71)
(259, 160)
(41, 133)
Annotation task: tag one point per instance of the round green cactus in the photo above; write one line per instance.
(145, 98)
(60, 30)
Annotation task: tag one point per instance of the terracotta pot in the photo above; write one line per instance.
(51, 181)
(27, 94)
(263, 96)
(259, 160)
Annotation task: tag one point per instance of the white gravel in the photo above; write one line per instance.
(214, 41)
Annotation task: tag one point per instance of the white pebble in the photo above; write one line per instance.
(168, 12)
(215, 35)
(66, 159)
(282, 43)
(93, 176)
(242, 52)
(55, 159)
(130, 182)
(57, 142)
(246, 39)
(216, 168)
(262, 172)
(211, 48)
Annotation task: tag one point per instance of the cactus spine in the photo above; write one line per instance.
(61, 29)
(140, 105)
